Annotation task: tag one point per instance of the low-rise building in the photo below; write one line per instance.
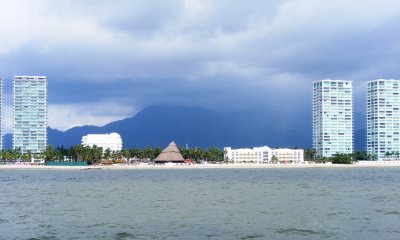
(264, 155)
(110, 141)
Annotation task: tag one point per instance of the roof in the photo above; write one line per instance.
(170, 154)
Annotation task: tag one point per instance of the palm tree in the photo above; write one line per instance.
(26, 157)
(7, 155)
(16, 154)
(157, 151)
(77, 153)
(107, 154)
(126, 154)
(58, 155)
(49, 153)
(116, 156)
(309, 154)
(148, 153)
(214, 154)
(274, 159)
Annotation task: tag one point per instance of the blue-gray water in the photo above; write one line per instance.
(345, 203)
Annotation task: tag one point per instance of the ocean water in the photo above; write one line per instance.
(339, 203)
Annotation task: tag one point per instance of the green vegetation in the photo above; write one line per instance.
(93, 155)
(15, 154)
(392, 155)
(342, 158)
(198, 154)
(309, 155)
(274, 159)
(361, 155)
(339, 158)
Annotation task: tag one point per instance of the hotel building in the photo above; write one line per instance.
(332, 117)
(383, 130)
(30, 113)
(264, 155)
(110, 141)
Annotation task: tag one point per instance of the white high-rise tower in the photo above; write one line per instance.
(1, 113)
(332, 117)
(383, 118)
(30, 113)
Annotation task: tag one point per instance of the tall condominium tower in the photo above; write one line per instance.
(383, 103)
(1, 113)
(332, 117)
(30, 113)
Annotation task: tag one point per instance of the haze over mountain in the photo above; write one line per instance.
(196, 126)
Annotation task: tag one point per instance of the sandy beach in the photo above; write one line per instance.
(197, 166)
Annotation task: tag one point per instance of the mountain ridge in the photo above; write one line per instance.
(197, 126)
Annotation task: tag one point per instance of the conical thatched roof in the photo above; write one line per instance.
(170, 154)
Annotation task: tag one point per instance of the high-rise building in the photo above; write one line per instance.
(332, 117)
(30, 113)
(383, 130)
(1, 113)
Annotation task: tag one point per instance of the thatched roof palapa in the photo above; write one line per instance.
(170, 154)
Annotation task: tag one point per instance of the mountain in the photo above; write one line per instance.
(196, 126)
(360, 139)
(7, 141)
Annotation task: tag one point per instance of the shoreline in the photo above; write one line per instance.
(197, 166)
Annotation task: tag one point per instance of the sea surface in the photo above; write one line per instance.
(315, 203)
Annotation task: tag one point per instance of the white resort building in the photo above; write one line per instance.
(110, 141)
(264, 155)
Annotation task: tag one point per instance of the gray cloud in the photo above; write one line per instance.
(218, 54)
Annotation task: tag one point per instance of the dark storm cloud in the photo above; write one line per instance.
(219, 54)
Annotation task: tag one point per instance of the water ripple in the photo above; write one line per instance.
(206, 204)
(298, 232)
(252, 236)
(392, 213)
(125, 235)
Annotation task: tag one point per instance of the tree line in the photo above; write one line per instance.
(339, 158)
(93, 155)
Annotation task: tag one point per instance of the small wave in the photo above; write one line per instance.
(253, 236)
(43, 238)
(212, 235)
(124, 235)
(96, 225)
(296, 231)
(392, 213)
(378, 199)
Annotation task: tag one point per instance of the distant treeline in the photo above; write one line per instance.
(339, 158)
(95, 154)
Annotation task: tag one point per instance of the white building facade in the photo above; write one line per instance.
(30, 113)
(333, 117)
(264, 155)
(112, 141)
(383, 128)
(1, 113)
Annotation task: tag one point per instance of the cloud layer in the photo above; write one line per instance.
(220, 54)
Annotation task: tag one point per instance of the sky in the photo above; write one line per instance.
(107, 60)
